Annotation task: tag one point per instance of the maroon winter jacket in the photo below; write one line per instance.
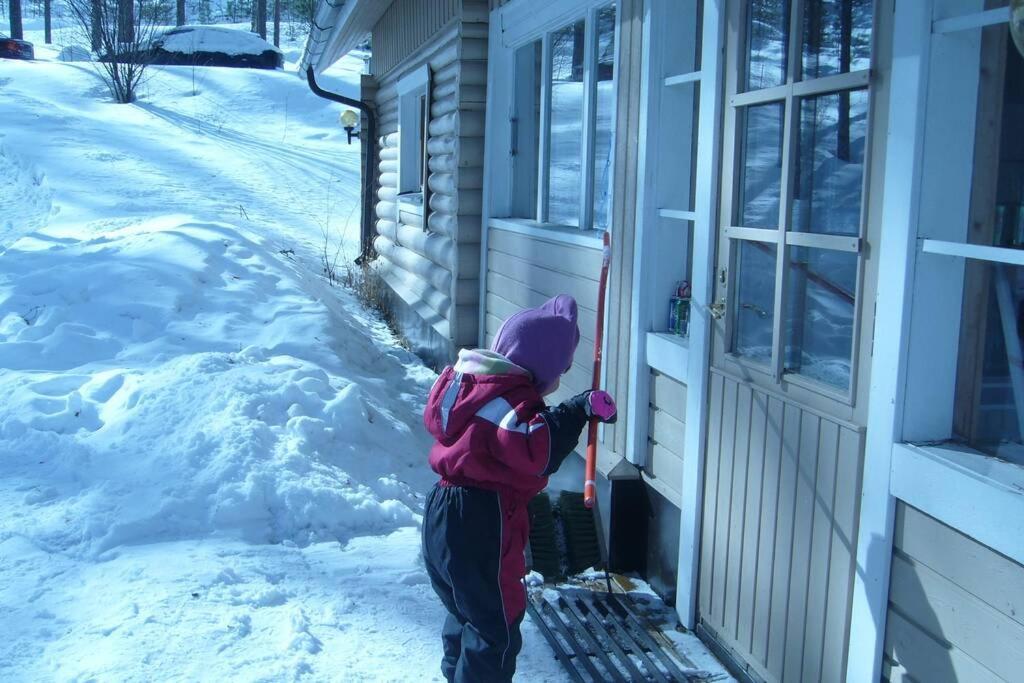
(494, 432)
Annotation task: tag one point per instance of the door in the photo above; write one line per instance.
(791, 345)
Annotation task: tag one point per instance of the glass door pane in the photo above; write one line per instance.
(837, 37)
(755, 300)
(760, 165)
(767, 44)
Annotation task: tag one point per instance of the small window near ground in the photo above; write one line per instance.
(412, 129)
(989, 411)
(564, 118)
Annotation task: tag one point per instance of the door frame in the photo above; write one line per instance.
(688, 361)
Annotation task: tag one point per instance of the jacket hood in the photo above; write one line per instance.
(458, 395)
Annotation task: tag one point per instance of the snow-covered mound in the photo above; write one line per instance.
(172, 379)
(215, 46)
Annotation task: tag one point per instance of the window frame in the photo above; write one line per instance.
(791, 95)
(523, 29)
(413, 119)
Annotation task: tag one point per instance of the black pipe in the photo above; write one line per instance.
(369, 137)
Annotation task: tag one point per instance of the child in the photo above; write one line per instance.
(497, 442)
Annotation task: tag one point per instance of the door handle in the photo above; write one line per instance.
(718, 309)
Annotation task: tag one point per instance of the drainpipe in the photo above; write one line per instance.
(369, 137)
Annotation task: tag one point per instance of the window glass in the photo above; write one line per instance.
(761, 166)
(767, 43)
(755, 300)
(604, 120)
(821, 288)
(990, 385)
(565, 132)
(837, 37)
(830, 163)
(528, 78)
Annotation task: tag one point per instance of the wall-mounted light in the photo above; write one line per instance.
(1017, 24)
(349, 121)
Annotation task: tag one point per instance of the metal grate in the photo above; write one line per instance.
(600, 637)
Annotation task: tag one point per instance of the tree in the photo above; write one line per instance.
(122, 31)
(259, 18)
(180, 18)
(277, 23)
(15, 13)
(47, 21)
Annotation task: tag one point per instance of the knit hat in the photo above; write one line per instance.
(542, 340)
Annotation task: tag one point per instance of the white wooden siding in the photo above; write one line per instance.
(956, 607)
(435, 268)
(525, 271)
(667, 431)
(779, 524)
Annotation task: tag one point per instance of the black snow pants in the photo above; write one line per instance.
(462, 546)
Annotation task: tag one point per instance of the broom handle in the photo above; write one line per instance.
(590, 475)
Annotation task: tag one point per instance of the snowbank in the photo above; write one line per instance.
(165, 392)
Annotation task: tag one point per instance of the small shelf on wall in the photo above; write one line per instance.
(682, 79)
(677, 214)
(669, 354)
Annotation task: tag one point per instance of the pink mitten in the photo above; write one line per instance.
(601, 405)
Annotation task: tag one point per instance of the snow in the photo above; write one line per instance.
(230, 41)
(212, 464)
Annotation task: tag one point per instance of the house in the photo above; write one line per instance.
(833, 452)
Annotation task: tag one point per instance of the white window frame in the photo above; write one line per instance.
(922, 251)
(519, 24)
(412, 121)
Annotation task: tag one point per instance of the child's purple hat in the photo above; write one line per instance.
(541, 340)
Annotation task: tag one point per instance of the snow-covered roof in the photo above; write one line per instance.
(339, 26)
(191, 39)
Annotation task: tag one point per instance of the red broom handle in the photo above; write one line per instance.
(590, 475)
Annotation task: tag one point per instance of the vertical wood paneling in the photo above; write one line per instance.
(820, 552)
(784, 537)
(716, 386)
(734, 559)
(843, 550)
(752, 515)
(723, 502)
(779, 518)
(768, 525)
(404, 27)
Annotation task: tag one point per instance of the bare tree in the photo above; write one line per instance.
(180, 18)
(15, 14)
(48, 21)
(122, 31)
(277, 23)
(259, 18)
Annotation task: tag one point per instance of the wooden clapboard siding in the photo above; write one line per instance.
(956, 607)
(433, 260)
(777, 553)
(521, 274)
(666, 432)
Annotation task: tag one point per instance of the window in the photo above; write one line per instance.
(989, 409)
(800, 121)
(563, 122)
(412, 128)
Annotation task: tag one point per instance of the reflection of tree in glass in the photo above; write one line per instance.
(567, 46)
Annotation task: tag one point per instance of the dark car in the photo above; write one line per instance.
(12, 48)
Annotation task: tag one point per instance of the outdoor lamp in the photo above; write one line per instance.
(349, 120)
(1017, 24)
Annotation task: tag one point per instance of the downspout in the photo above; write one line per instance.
(369, 137)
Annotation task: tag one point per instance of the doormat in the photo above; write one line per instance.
(599, 636)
